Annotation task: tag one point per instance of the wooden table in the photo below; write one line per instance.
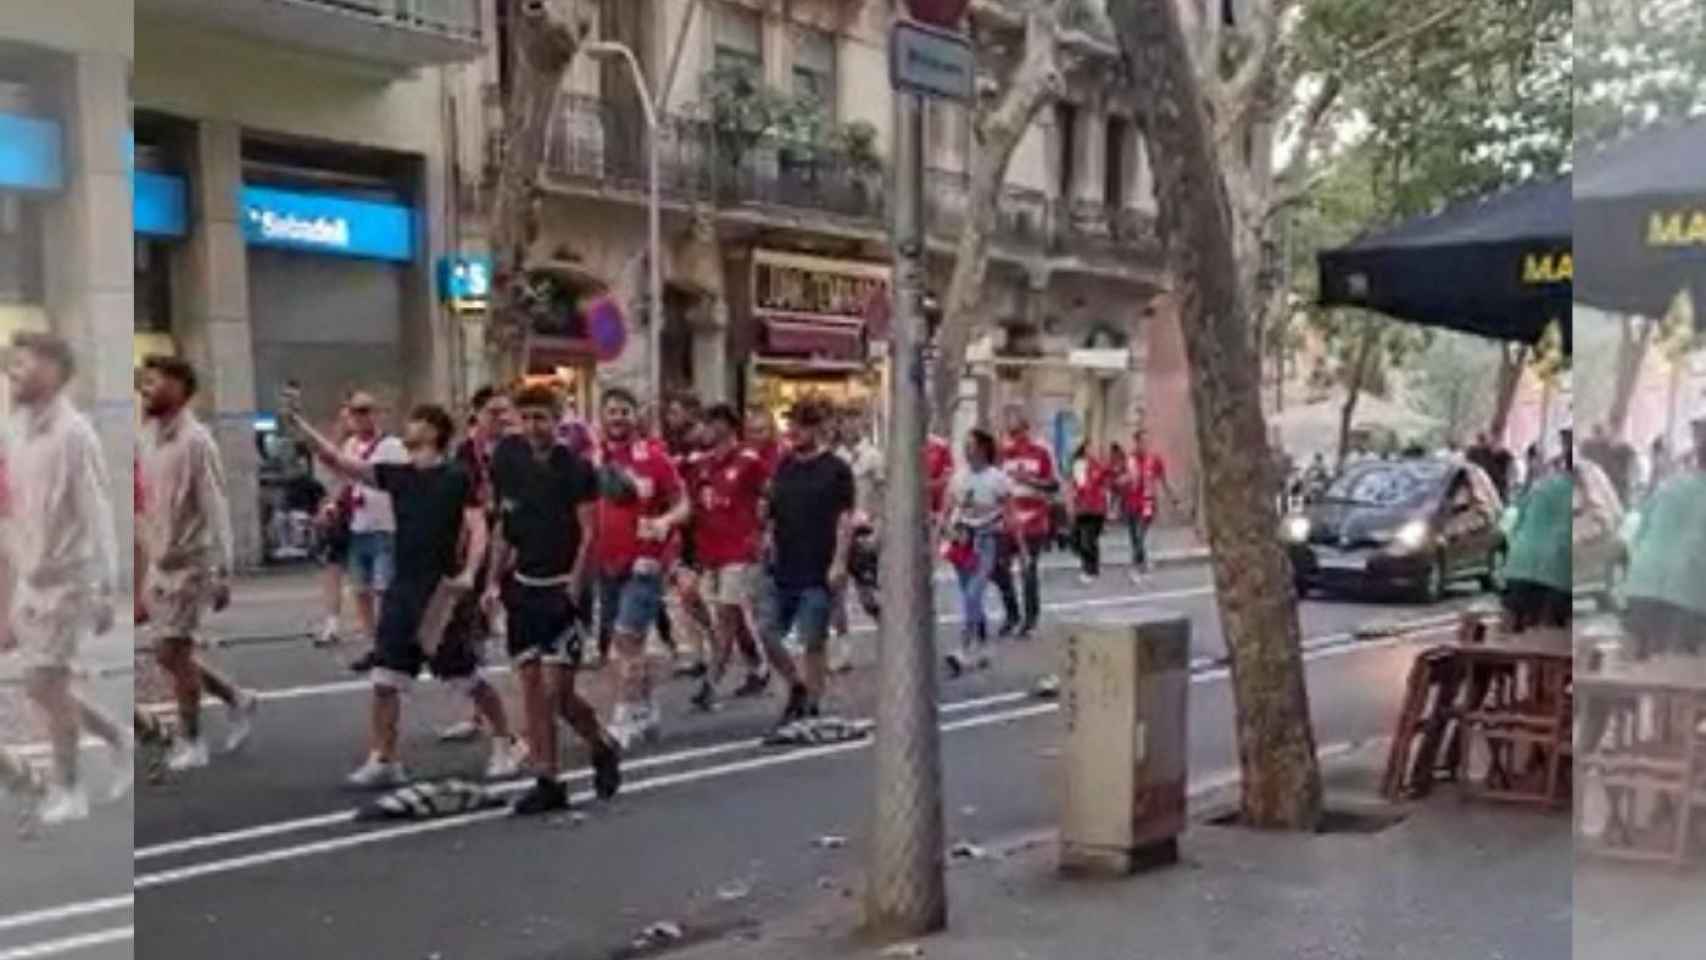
(1669, 765)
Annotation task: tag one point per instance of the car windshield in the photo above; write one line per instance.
(1388, 484)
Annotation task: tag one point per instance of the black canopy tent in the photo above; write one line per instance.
(1641, 222)
(1498, 266)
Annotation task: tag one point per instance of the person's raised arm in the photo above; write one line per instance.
(327, 452)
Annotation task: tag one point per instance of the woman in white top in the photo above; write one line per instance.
(977, 509)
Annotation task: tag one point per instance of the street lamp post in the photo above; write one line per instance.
(654, 251)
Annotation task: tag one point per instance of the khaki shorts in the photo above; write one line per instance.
(731, 585)
(51, 623)
(175, 602)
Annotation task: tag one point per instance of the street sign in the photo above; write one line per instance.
(931, 62)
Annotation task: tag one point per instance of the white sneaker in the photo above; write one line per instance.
(634, 723)
(841, 655)
(63, 805)
(507, 758)
(377, 773)
(461, 730)
(1136, 576)
(242, 720)
(1084, 579)
(187, 755)
(124, 771)
(328, 635)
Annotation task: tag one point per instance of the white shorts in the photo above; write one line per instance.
(176, 601)
(731, 585)
(51, 623)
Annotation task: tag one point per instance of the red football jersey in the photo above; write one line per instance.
(645, 466)
(728, 490)
(1026, 462)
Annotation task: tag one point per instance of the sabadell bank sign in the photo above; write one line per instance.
(327, 223)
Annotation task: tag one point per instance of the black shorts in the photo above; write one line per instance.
(1536, 606)
(544, 623)
(1656, 628)
(332, 545)
(398, 653)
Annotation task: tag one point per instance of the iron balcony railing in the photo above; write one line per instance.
(601, 142)
(451, 18)
(1021, 217)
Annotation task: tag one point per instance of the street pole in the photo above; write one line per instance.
(906, 894)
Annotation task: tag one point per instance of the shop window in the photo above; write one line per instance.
(814, 67)
(739, 40)
(153, 310)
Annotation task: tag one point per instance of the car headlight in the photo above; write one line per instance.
(1411, 536)
(1295, 529)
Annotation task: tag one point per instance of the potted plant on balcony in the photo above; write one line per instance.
(856, 143)
(742, 111)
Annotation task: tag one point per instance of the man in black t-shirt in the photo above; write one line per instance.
(810, 511)
(436, 503)
(546, 504)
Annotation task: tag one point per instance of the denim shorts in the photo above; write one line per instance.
(372, 560)
(803, 610)
(630, 603)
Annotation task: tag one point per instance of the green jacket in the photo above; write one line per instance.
(1540, 539)
(1668, 558)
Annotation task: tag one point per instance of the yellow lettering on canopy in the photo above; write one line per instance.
(1548, 268)
(1676, 228)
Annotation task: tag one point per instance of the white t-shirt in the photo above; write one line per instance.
(979, 497)
(373, 513)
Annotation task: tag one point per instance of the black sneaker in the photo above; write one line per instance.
(364, 663)
(706, 699)
(606, 771)
(799, 699)
(956, 663)
(1008, 628)
(755, 685)
(548, 795)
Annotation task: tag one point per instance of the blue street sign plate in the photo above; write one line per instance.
(931, 62)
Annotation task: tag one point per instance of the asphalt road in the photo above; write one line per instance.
(258, 853)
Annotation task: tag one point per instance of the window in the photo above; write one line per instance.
(739, 39)
(814, 67)
(1116, 176)
(1066, 128)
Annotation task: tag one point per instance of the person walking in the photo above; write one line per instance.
(61, 573)
(809, 515)
(428, 616)
(1538, 579)
(187, 531)
(1089, 494)
(372, 557)
(642, 503)
(331, 525)
(1030, 468)
(979, 501)
(547, 510)
(728, 498)
(1145, 482)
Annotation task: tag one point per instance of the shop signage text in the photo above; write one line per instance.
(816, 288)
(31, 155)
(1677, 228)
(326, 223)
(1544, 268)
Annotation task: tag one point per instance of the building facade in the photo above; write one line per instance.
(64, 212)
(295, 197)
(775, 229)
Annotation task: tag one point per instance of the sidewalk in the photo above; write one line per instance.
(1450, 881)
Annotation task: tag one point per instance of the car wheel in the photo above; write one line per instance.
(1433, 588)
(1494, 580)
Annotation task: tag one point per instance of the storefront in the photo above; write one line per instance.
(160, 222)
(31, 174)
(811, 336)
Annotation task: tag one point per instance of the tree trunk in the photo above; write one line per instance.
(1513, 360)
(997, 130)
(1353, 388)
(1281, 779)
(1632, 349)
(542, 45)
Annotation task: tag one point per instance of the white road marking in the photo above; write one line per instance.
(69, 912)
(642, 763)
(283, 854)
(55, 948)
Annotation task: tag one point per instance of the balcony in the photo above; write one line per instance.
(601, 146)
(1107, 235)
(1021, 218)
(392, 35)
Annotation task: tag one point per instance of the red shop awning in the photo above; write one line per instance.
(805, 338)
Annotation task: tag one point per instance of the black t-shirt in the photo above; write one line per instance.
(807, 497)
(429, 503)
(536, 500)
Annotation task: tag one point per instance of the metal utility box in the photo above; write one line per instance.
(1125, 687)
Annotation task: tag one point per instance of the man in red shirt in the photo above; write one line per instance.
(938, 473)
(728, 494)
(641, 504)
(1145, 479)
(1089, 484)
(1030, 467)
